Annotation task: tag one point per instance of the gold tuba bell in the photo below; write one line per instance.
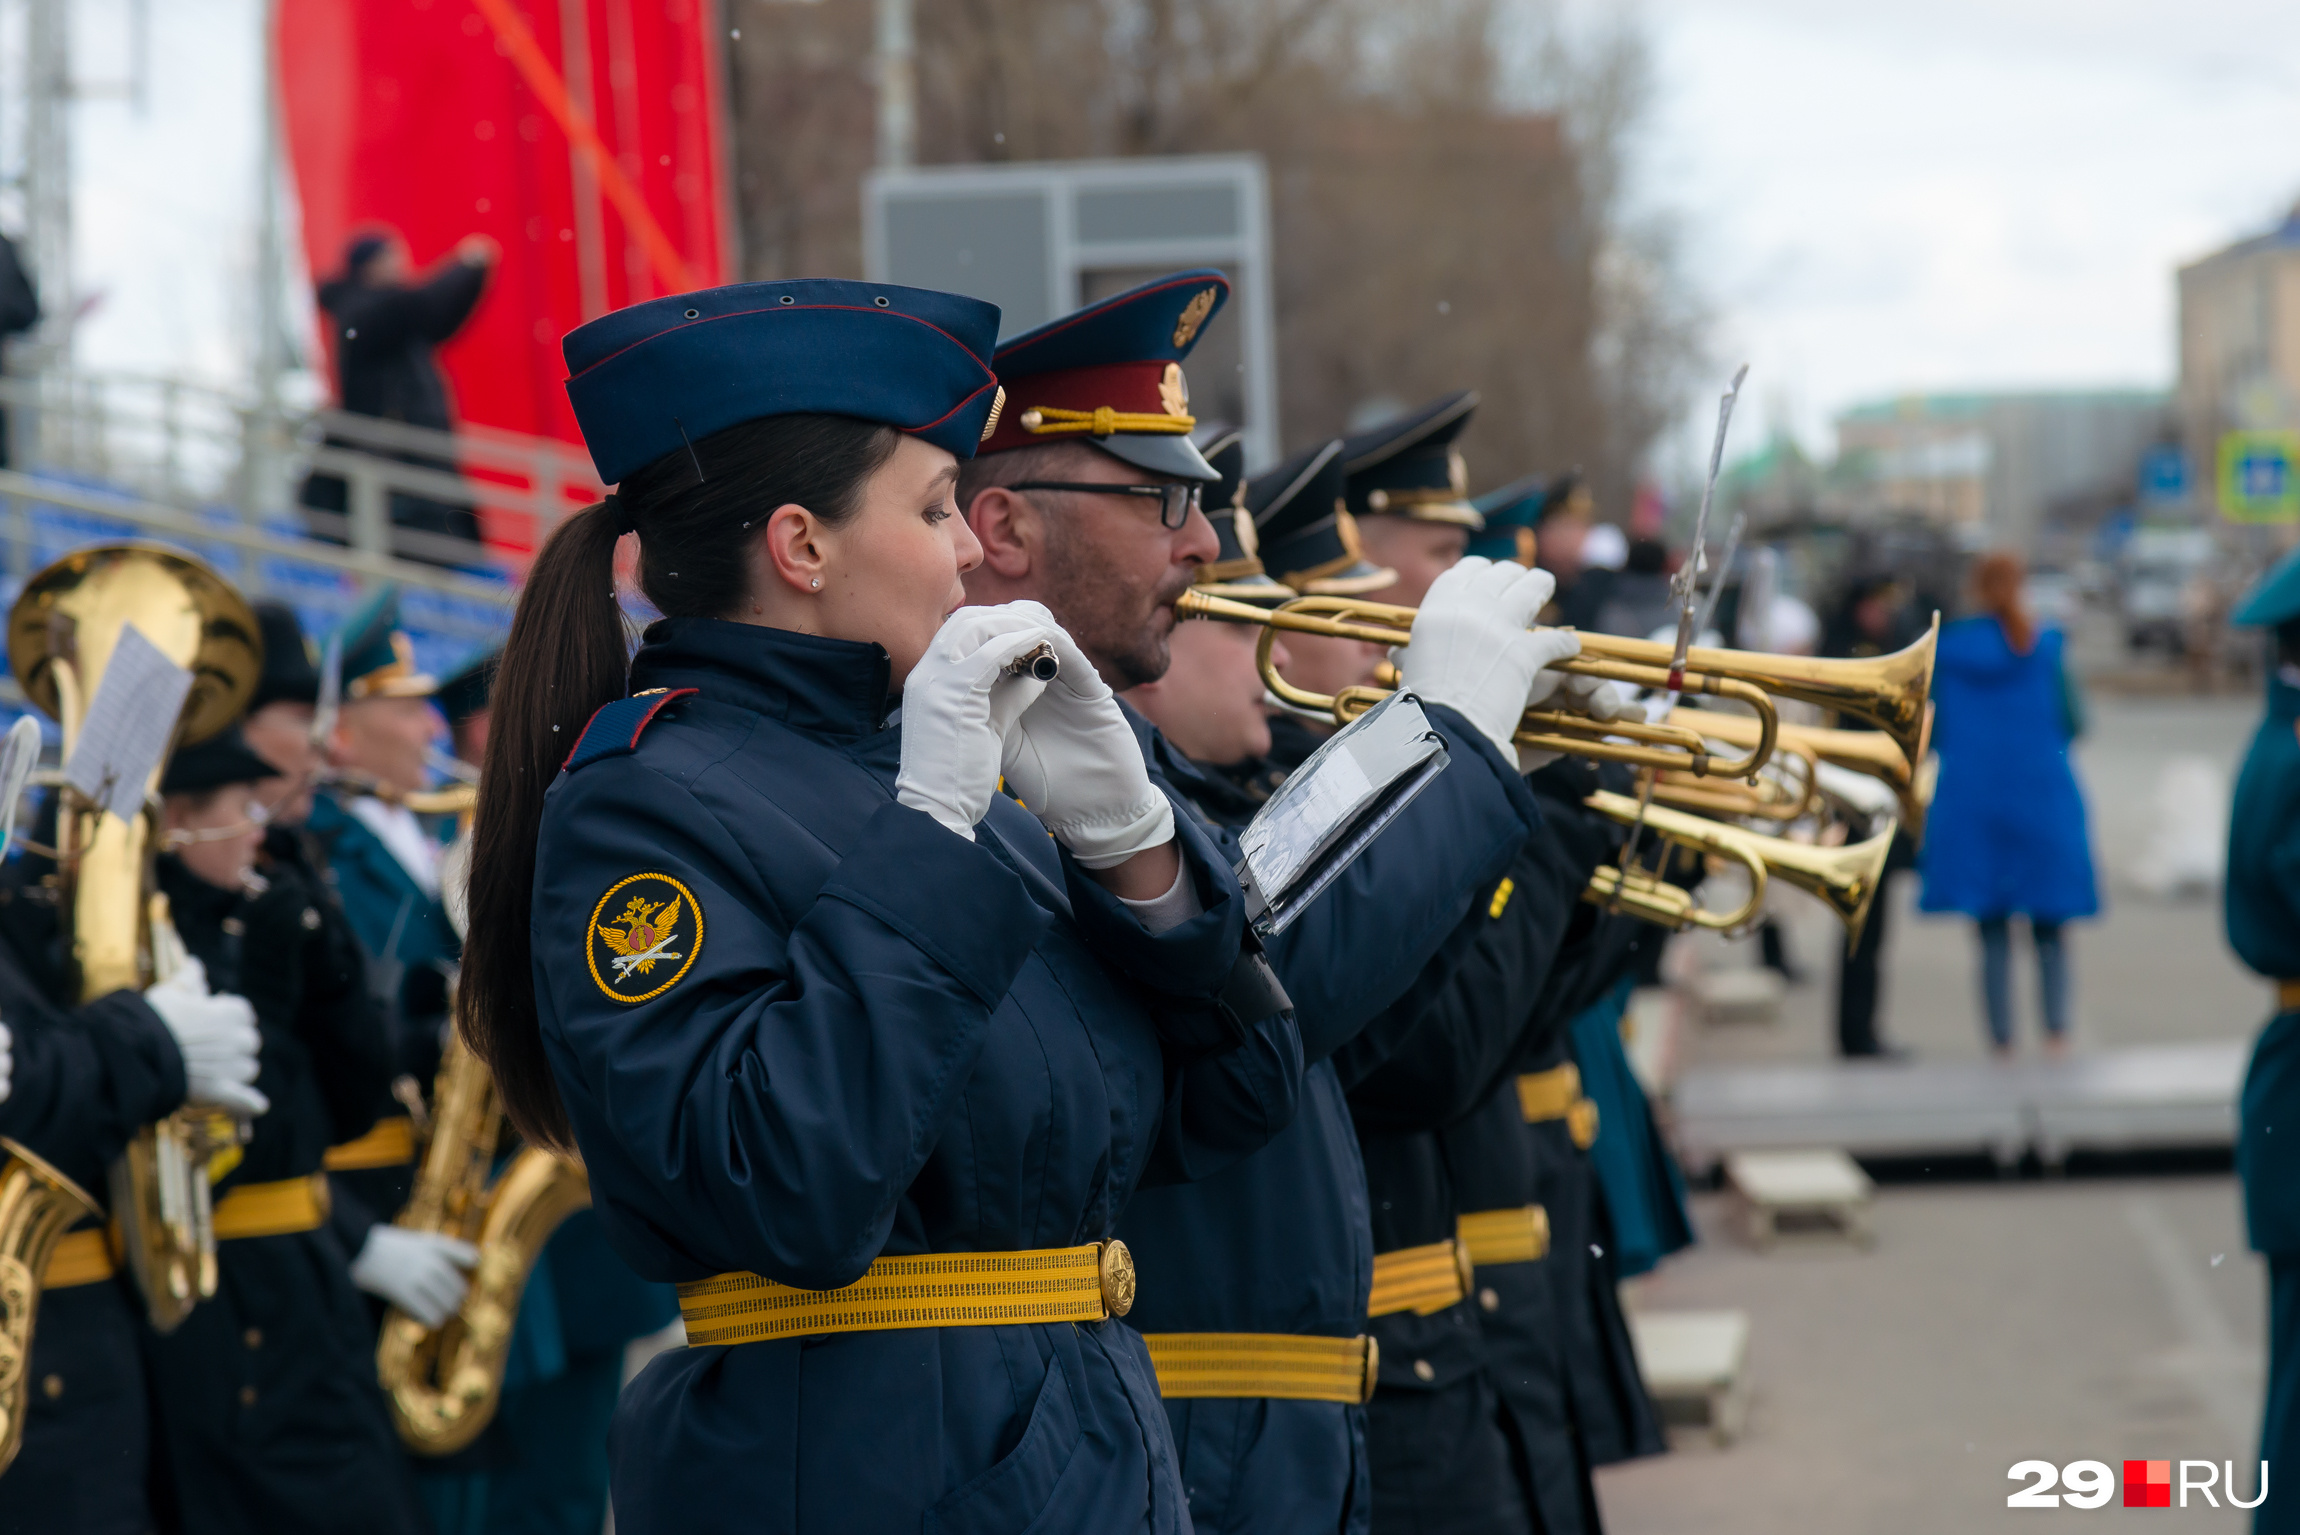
(444, 1383)
(61, 635)
(37, 1205)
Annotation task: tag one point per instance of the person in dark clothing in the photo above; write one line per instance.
(19, 312)
(85, 1079)
(387, 324)
(268, 1411)
(1874, 618)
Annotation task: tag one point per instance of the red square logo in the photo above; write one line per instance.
(2148, 1484)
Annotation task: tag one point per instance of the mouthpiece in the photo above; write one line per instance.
(1040, 663)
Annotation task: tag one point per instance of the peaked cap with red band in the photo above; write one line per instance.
(651, 379)
(1111, 374)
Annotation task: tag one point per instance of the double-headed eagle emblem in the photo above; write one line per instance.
(644, 937)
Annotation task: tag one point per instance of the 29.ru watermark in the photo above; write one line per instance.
(2147, 1484)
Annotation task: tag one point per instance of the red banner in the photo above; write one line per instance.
(586, 136)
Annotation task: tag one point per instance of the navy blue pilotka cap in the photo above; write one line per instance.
(651, 379)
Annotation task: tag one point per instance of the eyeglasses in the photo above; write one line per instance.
(1175, 501)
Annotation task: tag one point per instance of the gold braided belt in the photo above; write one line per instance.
(1422, 1280)
(1049, 1284)
(1263, 1364)
(1556, 1094)
(390, 1144)
(78, 1258)
(1519, 1235)
(272, 1209)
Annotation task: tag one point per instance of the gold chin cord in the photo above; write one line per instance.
(1889, 692)
(1846, 879)
(37, 1205)
(444, 1383)
(62, 633)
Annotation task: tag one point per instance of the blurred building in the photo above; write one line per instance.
(2034, 471)
(2240, 343)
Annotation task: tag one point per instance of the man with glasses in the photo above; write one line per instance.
(1254, 1281)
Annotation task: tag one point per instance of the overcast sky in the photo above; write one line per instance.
(1878, 196)
(1888, 195)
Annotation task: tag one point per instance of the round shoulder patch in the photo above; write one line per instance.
(645, 934)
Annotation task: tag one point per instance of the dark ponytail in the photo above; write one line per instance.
(694, 511)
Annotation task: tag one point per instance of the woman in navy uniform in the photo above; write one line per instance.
(823, 1011)
(2263, 904)
(269, 1414)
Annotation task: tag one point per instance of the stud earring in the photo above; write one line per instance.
(817, 583)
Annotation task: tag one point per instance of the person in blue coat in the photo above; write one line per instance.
(2263, 916)
(2006, 835)
(860, 1053)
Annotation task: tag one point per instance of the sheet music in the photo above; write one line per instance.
(1317, 806)
(129, 724)
(19, 755)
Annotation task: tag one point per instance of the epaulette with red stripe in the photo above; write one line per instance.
(615, 730)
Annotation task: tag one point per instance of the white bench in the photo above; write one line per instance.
(1816, 1182)
(1695, 1367)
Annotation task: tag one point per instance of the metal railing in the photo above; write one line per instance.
(192, 446)
(109, 456)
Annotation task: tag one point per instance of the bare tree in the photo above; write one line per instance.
(1447, 199)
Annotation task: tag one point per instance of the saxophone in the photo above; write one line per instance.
(37, 1204)
(61, 635)
(444, 1383)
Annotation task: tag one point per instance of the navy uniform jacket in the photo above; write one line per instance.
(1282, 1242)
(2263, 905)
(86, 1079)
(269, 1413)
(879, 1038)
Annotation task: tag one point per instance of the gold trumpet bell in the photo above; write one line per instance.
(1845, 879)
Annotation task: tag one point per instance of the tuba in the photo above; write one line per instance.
(37, 1204)
(61, 635)
(444, 1383)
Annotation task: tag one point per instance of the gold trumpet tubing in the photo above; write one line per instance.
(1633, 742)
(1860, 751)
(1890, 692)
(38, 1205)
(1646, 895)
(1767, 799)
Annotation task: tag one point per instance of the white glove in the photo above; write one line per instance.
(958, 705)
(7, 1063)
(420, 1272)
(1472, 650)
(1075, 764)
(217, 1037)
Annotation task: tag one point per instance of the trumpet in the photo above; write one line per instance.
(1787, 790)
(1631, 741)
(1861, 751)
(1845, 879)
